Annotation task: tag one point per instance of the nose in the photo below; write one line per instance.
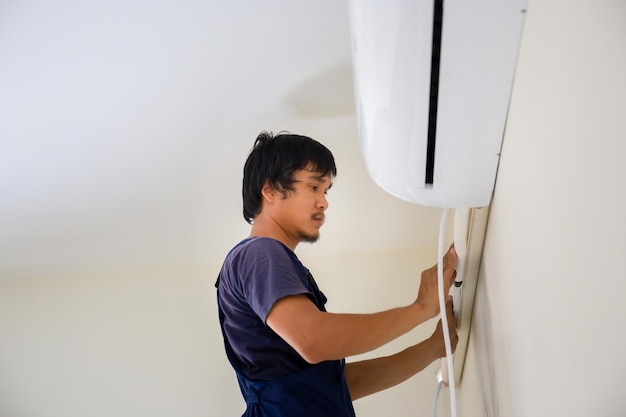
(322, 202)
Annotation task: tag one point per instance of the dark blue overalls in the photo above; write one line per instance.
(318, 391)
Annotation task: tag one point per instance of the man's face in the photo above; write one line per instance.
(301, 212)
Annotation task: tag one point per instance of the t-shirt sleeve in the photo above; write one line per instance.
(269, 275)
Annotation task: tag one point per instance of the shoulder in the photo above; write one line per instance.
(261, 270)
(262, 253)
(256, 247)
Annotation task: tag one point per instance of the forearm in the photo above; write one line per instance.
(352, 334)
(374, 375)
(319, 336)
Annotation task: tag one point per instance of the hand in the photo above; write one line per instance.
(428, 294)
(437, 336)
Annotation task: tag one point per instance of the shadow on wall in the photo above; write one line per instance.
(325, 94)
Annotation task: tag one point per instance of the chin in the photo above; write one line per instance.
(304, 237)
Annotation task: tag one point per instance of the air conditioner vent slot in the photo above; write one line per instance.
(434, 91)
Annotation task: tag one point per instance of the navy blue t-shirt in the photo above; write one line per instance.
(257, 273)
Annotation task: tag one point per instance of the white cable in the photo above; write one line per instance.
(437, 398)
(444, 317)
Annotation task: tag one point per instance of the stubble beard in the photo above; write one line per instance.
(308, 237)
(305, 237)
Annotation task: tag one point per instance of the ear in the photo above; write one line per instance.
(268, 193)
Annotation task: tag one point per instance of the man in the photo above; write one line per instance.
(287, 351)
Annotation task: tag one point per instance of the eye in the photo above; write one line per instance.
(314, 187)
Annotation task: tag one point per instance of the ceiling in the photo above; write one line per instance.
(124, 126)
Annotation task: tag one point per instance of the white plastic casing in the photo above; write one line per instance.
(392, 42)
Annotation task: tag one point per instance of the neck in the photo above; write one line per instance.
(263, 227)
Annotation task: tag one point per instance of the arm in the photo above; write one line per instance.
(319, 336)
(374, 375)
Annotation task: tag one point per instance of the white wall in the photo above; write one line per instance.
(549, 334)
(112, 343)
(146, 342)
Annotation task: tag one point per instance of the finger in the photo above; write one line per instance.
(449, 274)
(448, 257)
(451, 254)
(449, 260)
(450, 315)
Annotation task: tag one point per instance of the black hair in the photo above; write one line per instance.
(274, 159)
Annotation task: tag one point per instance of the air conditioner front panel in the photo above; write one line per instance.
(392, 51)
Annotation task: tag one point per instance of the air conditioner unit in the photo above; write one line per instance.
(432, 82)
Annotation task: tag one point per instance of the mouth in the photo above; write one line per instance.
(319, 219)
